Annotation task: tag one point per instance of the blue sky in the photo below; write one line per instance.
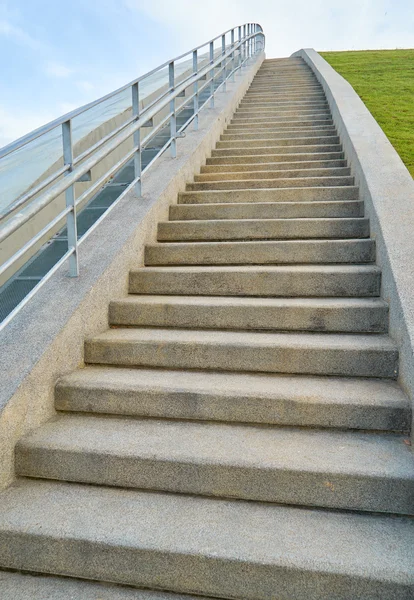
(56, 55)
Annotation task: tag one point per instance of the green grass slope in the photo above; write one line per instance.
(384, 79)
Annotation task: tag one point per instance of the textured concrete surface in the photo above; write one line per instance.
(377, 404)
(261, 252)
(313, 353)
(270, 210)
(188, 399)
(24, 586)
(305, 194)
(31, 362)
(279, 182)
(388, 190)
(289, 280)
(204, 546)
(371, 472)
(208, 312)
(245, 229)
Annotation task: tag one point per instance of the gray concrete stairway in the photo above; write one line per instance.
(238, 431)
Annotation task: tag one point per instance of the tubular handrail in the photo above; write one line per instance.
(217, 67)
(26, 139)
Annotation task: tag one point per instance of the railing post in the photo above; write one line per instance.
(244, 45)
(173, 118)
(223, 66)
(195, 101)
(240, 47)
(233, 62)
(137, 140)
(212, 75)
(71, 226)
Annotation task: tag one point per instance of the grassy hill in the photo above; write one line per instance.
(384, 79)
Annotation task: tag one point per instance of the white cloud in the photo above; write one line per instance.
(55, 69)
(18, 35)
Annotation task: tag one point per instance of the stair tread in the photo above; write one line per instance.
(129, 532)
(302, 340)
(325, 391)
(370, 455)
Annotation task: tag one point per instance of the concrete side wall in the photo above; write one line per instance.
(388, 191)
(46, 339)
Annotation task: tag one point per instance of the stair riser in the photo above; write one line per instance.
(262, 253)
(271, 140)
(290, 283)
(272, 183)
(276, 158)
(274, 195)
(312, 164)
(284, 126)
(262, 230)
(271, 112)
(315, 150)
(282, 104)
(235, 481)
(284, 318)
(276, 358)
(294, 86)
(281, 134)
(299, 119)
(280, 405)
(288, 210)
(258, 95)
(257, 174)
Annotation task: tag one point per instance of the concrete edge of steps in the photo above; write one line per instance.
(160, 541)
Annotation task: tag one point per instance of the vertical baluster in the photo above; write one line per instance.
(173, 118)
(233, 62)
(137, 140)
(195, 101)
(244, 45)
(223, 62)
(71, 226)
(212, 75)
(240, 48)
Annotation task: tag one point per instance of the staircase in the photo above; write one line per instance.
(238, 432)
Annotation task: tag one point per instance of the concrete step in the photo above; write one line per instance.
(275, 166)
(308, 353)
(310, 139)
(367, 472)
(296, 132)
(284, 95)
(275, 210)
(269, 102)
(270, 174)
(299, 194)
(283, 126)
(288, 86)
(343, 403)
(299, 119)
(351, 281)
(309, 149)
(276, 158)
(271, 111)
(285, 252)
(341, 315)
(279, 182)
(23, 586)
(262, 229)
(155, 540)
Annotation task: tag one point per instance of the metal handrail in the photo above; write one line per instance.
(224, 65)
